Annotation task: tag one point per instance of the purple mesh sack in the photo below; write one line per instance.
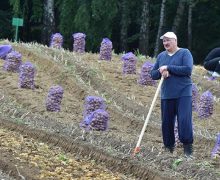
(56, 41)
(93, 103)
(177, 140)
(4, 50)
(216, 150)
(79, 42)
(97, 120)
(106, 50)
(26, 75)
(145, 77)
(54, 98)
(195, 96)
(12, 62)
(129, 65)
(205, 106)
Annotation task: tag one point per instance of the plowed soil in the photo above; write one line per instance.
(25, 157)
(127, 103)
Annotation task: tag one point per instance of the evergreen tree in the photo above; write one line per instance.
(102, 14)
(159, 31)
(67, 10)
(48, 21)
(144, 29)
(5, 20)
(16, 7)
(124, 22)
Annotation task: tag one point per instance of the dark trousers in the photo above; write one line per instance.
(212, 65)
(180, 109)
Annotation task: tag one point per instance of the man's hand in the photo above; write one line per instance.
(165, 74)
(162, 69)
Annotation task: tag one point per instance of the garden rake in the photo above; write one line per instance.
(137, 148)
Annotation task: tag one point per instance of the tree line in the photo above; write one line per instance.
(131, 25)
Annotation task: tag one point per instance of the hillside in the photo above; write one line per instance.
(127, 103)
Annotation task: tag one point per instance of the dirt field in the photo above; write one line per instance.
(37, 160)
(127, 103)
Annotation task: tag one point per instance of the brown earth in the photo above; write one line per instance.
(24, 156)
(127, 103)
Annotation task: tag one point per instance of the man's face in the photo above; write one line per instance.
(170, 44)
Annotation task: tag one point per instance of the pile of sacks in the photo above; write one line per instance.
(95, 115)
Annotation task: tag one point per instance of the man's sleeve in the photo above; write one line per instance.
(155, 73)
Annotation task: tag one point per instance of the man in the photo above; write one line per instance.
(212, 63)
(175, 65)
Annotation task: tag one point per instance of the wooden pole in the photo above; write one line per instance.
(137, 148)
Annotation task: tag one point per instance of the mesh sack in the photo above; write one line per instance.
(145, 76)
(79, 42)
(177, 140)
(56, 41)
(97, 120)
(206, 105)
(4, 50)
(216, 150)
(93, 103)
(12, 62)
(106, 50)
(195, 96)
(129, 63)
(54, 98)
(26, 76)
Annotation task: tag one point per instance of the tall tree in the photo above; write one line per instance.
(48, 21)
(31, 11)
(68, 11)
(144, 29)
(179, 14)
(190, 5)
(159, 32)
(26, 14)
(37, 11)
(124, 24)
(16, 7)
(5, 20)
(103, 13)
(36, 20)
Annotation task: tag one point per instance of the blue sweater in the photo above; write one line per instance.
(180, 66)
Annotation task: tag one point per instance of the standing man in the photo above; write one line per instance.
(175, 65)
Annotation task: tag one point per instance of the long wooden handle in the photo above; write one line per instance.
(137, 148)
